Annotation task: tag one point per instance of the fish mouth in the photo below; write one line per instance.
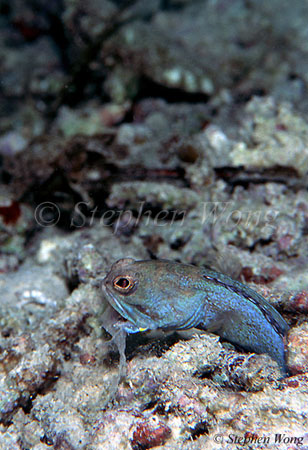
(115, 302)
(128, 312)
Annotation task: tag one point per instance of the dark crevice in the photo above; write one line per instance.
(72, 282)
(143, 344)
(245, 97)
(6, 333)
(151, 89)
(6, 178)
(293, 76)
(26, 404)
(261, 243)
(244, 177)
(51, 379)
(46, 440)
(58, 34)
(178, 244)
(5, 8)
(206, 374)
(199, 429)
(149, 405)
(172, 6)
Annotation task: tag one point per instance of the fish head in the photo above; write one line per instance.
(148, 293)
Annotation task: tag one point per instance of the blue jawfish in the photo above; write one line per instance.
(167, 295)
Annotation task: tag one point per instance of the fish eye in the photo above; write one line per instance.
(123, 284)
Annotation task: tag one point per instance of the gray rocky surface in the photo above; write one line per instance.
(174, 129)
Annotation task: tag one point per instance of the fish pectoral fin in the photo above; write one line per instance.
(193, 321)
(219, 322)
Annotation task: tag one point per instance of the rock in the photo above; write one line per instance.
(273, 129)
(297, 349)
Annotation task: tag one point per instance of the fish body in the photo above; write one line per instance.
(161, 294)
